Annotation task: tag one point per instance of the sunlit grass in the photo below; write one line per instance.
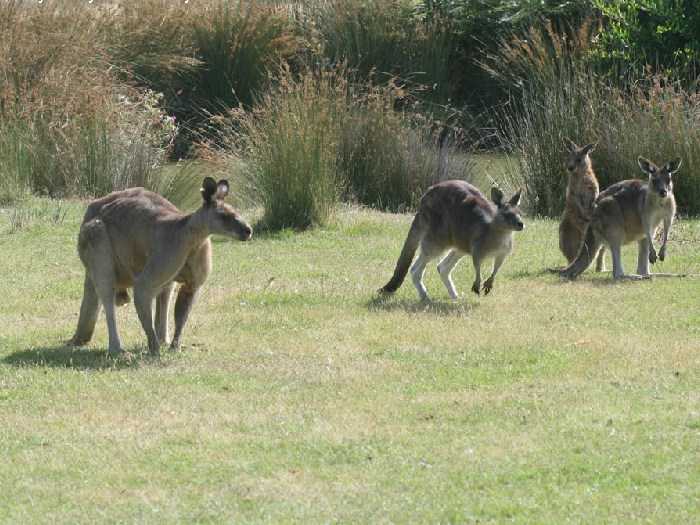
(302, 397)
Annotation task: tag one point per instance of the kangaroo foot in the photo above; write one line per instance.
(632, 277)
(77, 341)
(488, 285)
(115, 352)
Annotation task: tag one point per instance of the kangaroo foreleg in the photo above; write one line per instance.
(476, 260)
(498, 262)
(185, 299)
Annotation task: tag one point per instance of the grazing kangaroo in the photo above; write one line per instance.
(581, 193)
(629, 211)
(137, 238)
(455, 215)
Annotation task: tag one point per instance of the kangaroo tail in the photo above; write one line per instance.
(586, 255)
(406, 257)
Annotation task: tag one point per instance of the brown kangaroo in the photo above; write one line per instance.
(630, 211)
(581, 193)
(454, 215)
(136, 238)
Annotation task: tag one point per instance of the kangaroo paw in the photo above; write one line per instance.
(652, 256)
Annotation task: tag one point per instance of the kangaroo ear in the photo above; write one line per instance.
(515, 199)
(221, 189)
(208, 189)
(497, 195)
(674, 165)
(570, 145)
(646, 165)
(588, 148)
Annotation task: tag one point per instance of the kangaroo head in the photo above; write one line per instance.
(660, 180)
(221, 218)
(508, 216)
(578, 158)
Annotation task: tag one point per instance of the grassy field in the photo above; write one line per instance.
(301, 397)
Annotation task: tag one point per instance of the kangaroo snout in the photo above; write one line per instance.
(246, 233)
(663, 193)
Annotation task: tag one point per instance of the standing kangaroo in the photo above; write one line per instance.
(581, 193)
(454, 215)
(137, 238)
(629, 211)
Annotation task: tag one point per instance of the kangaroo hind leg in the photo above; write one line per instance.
(643, 258)
(428, 252)
(445, 268)
(89, 310)
(162, 309)
(96, 253)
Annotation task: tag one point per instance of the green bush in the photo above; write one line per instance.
(664, 34)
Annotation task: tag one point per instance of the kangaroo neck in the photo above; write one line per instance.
(196, 227)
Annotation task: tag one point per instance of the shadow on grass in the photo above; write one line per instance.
(443, 308)
(65, 356)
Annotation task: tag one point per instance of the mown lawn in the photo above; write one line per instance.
(301, 397)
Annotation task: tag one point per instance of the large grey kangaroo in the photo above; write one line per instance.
(137, 238)
(454, 215)
(630, 211)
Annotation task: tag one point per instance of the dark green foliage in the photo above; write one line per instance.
(663, 33)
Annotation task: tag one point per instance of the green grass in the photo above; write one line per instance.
(300, 397)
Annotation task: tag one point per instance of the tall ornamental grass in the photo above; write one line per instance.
(385, 38)
(387, 157)
(69, 125)
(320, 138)
(203, 56)
(286, 149)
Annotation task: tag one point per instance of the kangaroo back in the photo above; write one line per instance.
(413, 239)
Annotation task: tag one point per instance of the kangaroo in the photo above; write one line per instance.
(629, 211)
(454, 215)
(581, 192)
(136, 238)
